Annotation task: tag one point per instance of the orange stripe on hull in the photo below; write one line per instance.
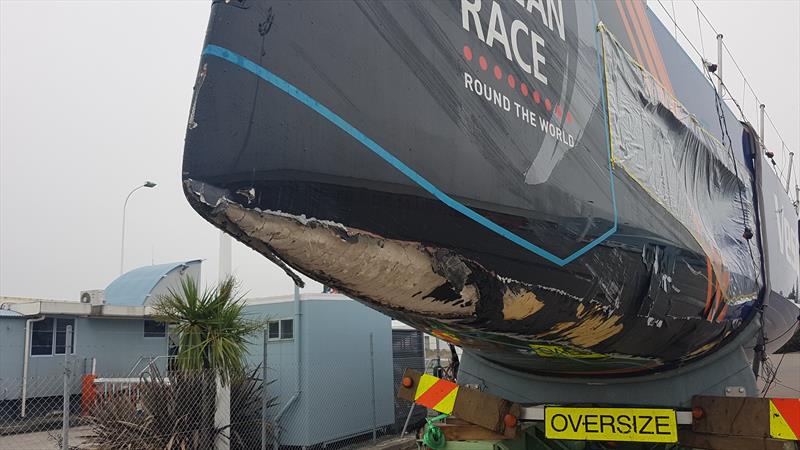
(648, 58)
(709, 285)
(652, 45)
(722, 313)
(627, 25)
(722, 287)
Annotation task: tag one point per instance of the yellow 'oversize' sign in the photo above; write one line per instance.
(611, 424)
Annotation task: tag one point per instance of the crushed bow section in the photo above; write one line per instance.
(441, 291)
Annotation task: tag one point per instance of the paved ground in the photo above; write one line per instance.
(45, 440)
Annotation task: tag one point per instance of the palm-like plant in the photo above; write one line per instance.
(212, 331)
(162, 413)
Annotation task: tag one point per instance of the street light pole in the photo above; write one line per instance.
(147, 184)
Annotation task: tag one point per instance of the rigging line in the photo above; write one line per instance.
(774, 377)
(700, 30)
(741, 72)
(775, 128)
(730, 97)
(704, 16)
(702, 55)
(787, 387)
(769, 341)
(723, 123)
(676, 16)
(735, 63)
(744, 90)
(775, 168)
(680, 29)
(767, 374)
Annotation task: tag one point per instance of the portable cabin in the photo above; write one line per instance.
(112, 335)
(331, 361)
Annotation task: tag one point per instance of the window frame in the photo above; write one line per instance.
(281, 329)
(279, 323)
(54, 337)
(32, 332)
(144, 329)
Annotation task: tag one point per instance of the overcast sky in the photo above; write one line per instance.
(94, 97)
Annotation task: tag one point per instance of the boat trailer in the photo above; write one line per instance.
(472, 419)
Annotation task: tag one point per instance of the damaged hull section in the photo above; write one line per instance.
(534, 327)
(510, 180)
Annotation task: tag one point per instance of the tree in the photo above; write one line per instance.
(212, 330)
(178, 411)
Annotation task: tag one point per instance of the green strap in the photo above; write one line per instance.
(433, 437)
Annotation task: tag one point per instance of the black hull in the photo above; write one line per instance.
(506, 341)
(386, 178)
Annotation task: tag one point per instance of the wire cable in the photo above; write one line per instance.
(700, 30)
(700, 53)
(768, 385)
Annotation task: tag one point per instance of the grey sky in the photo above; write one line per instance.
(94, 97)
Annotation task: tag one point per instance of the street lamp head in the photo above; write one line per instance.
(147, 184)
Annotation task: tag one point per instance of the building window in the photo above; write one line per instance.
(61, 336)
(154, 329)
(280, 329)
(49, 337)
(287, 329)
(42, 337)
(274, 332)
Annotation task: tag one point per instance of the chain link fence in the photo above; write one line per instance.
(344, 400)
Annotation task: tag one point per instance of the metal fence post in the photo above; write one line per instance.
(372, 373)
(65, 422)
(408, 418)
(264, 393)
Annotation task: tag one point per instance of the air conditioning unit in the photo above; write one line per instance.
(93, 297)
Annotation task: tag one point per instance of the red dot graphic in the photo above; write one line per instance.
(467, 53)
(569, 117)
(497, 72)
(482, 62)
(511, 81)
(558, 111)
(536, 97)
(524, 88)
(547, 105)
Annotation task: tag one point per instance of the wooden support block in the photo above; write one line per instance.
(471, 405)
(732, 416)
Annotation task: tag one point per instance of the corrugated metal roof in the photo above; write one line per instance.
(132, 288)
(8, 313)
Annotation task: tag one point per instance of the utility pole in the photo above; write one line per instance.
(222, 414)
(65, 413)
